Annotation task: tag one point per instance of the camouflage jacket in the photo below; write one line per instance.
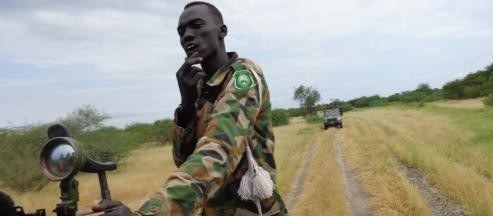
(233, 110)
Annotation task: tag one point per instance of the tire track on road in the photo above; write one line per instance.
(300, 177)
(357, 198)
(439, 204)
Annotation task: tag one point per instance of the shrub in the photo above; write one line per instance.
(295, 112)
(108, 143)
(378, 102)
(489, 100)
(19, 155)
(437, 95)
(279, 117)
(20, 148)
(313, 119)
(471, 92)
(345, 107)
(162, 131)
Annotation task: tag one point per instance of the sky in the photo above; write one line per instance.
(121, 56)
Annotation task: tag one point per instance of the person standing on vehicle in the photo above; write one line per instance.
(222, 127)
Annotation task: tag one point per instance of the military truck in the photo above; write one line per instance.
(332, 117)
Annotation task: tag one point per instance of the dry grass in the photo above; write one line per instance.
(434, 144)
(145, 170)
(476, 103)
(364, 144)
(141, 174)
(291, 143)
(323, 192)
(370, 140)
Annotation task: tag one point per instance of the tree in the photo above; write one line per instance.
(307, 97)
(424, 87)
(453, 90)
(84, 118)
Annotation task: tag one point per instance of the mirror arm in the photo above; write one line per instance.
(103, 184)
(69, 196)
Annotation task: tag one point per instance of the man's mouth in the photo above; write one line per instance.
(191, 47)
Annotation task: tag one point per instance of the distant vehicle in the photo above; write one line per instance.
(332, 117)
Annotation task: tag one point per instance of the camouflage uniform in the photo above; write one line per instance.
(210, 150)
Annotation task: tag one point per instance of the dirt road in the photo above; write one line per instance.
(299, 180)
(355, 195)
(437, 202)
(357, 198)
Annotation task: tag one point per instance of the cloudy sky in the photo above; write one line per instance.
(121, 55)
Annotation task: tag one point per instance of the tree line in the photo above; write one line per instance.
(473, 85)
(20, 147)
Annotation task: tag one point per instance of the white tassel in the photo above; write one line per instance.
(256, 183)
(245, 190)
(262, 184)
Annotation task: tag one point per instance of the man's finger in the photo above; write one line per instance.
(187, 71)
(182, 70)
(195, 58)
(190, 73)
(105, 204)
(199, 75)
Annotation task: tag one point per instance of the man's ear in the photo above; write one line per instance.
(223, 31)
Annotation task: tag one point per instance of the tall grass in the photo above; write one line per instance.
(323, 192)
(141, 174)
(19, 149)
(291, 143)
(451, 146)
(146, 169)
(473, 143)
(364, 144)
(476, 103)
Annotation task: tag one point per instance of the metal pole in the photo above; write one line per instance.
(105, 190)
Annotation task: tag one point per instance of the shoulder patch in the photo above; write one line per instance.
(151, 207)
(243, 79)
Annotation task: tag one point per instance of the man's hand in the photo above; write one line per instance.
(188, 77)
(111, 208)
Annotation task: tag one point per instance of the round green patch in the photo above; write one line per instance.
(151, 207)
(243, 79)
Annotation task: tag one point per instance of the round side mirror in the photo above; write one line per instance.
(60, 158)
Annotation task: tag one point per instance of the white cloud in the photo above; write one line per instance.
(135, 42)
(117, 42)
(22, 83)
(41, 62)
(355, 45)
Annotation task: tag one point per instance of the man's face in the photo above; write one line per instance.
(198, 31)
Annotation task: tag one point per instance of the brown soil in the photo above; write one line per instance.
(356, 196)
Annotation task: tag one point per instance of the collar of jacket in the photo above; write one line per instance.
(220, 74)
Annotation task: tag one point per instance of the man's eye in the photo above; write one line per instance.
(197, 24)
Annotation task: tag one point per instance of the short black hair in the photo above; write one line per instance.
(6, 205)
(213, 9)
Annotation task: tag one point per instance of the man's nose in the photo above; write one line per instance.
(187, 35)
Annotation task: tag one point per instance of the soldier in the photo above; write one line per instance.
(223, 120)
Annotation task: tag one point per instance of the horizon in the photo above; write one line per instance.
(121, 56)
